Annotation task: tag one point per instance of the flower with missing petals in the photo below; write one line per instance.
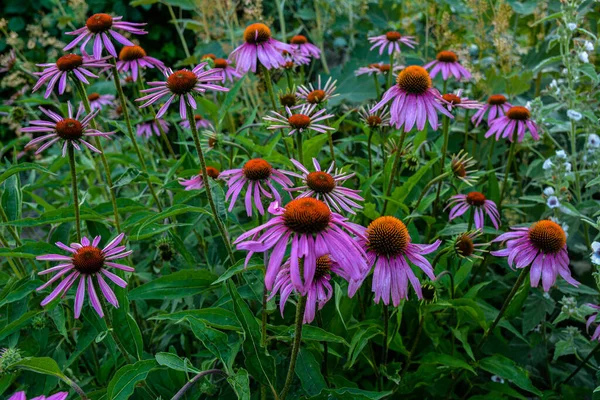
(196, 182)
(97, 100)
(301, 119)
(86, 263)
(456, 100)
(152, 126)
(318, 95)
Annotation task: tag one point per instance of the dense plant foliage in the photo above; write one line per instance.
(289, 199)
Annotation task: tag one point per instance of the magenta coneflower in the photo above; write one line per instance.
(310, 229)
(300, 44)
(256, 173)
(147, 128)
(516, 117)
(414, 101)
(377, 69)
(97, 100)
(59, 72)
(447, 63)
(378, 118)
(324, 186)
(456, 100)
(183, 84)
(134, 59)
(55, 396)
(227, 71)
(99, 27)
(87, 261)
(461, 203)
(70, 130)
(496, 106)
(318, 292)
(543, 246)
(200, 123)
(294, 58)
(259, 47)
(387, 245)
(591, 318)
(196, 182)
(320, 94)
(391, 40)
(301, 119)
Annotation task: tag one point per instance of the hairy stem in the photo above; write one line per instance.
(71, 153)
(295, 347)
(193, 381)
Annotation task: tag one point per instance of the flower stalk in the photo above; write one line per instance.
(511, 156)
(394, 169)
(71, 153)
(295, 347)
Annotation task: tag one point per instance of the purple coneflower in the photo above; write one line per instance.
(196, 182)
(200, 123)
(97, 100)
(455, 100)
(153, 126)
(591, 318)
(326, 187)
(414, 101)
(378, 118)
(377, 69)
(310, 229)
(387, 245)
(87, 261)
(293, 59)
(461, 167)
(391, 40)
(461, 203)
(543, 246)
(300, 44)
(55, 396)
(59, 71)
(318, 292)
(227, 71)
(256, 173)
(516, 117)
(70, 129)
(464, 245)
(259, 47)
(99, 27)
(183, 83)
(302, 119)
(134, 59)
(496, 106)
(447, 63)
(319, 95)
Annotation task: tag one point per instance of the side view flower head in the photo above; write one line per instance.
(196, 182)
(457, 100)
(152, 127)
(72, 130)
(591, 319)
(228, 72)
(300, 43)
(259, 47)
(517, 119)
(377, 69)
(86, 263)
(447, 63)
(201, 123)
(98, 101)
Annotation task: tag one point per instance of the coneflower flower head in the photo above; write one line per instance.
(300, 44)
(461, 167)
(101, 28)
(391, 40)
(414, 100)
(318, 95)
(496, 106)
(516, 118)
(478, 203)
(300, 119)
(464, 246)
(447, 63)
(134, 59)
(543, 246)
(259, 47)
(196, 182)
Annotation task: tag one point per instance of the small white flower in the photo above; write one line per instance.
(547, 164)
(497, 379)
(589, 46)
(549, 191)
(584, 57)
(553, 202)
(574, 115)
(594, 140)
(554, 84)
(572, 26)
(561, 154)
(596, 253)
(568, 166)
(528, 105)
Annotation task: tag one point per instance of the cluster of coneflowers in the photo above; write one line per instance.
(309, 238)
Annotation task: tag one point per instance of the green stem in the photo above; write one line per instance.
(414, 346)
(179, 32)
(180, 394)
(471, 219)
(71, 152)
(489, 165)
(388, 191)
(295, 347)
(369, 141)
(299, 146)
(512, 293)
(391, 72)
(386, 324)
(113, 197)
(445, 130)
(511, 156)
(377, 87)
(430, 184)
(205, 178)
(280, 5)
(123, 101)
(269, 85)
(331, 148)
(582, 364)
(573, 137)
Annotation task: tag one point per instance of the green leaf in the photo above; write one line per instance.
(58, 216)
(359, 341)
(312, 147)
(508, 370)
(123, 383)
(15, 169)
(216, 342)
(350, 393)
(536, 308)
(258, 362)
(187, 282)
(28, 250)
(400, 193)
(314, 333)
(17, 324)
(446, 359)
(130, 333)
(229, 98)
(215, 317)
(239, 267)
(240, 383)
(176, 363)
(308, 371)
(41, 365)
(17, 290)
